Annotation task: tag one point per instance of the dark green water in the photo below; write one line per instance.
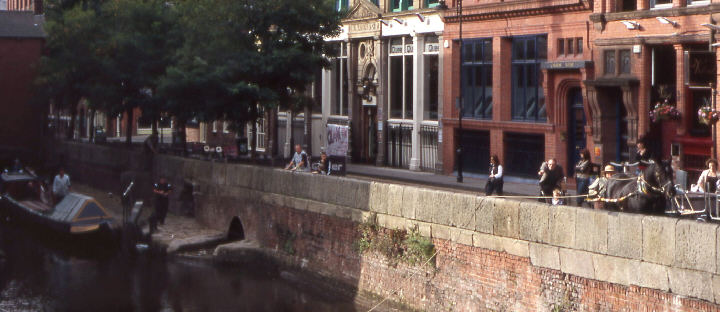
(37, 277)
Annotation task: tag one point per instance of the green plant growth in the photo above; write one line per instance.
(419, 249)
(395, 245)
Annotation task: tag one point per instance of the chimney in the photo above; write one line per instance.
(38, 7)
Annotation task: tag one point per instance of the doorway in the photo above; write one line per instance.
(368, 151)
(576, 128)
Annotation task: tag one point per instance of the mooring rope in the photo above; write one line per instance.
(396, 290)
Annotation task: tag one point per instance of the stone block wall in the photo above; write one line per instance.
(493, 254)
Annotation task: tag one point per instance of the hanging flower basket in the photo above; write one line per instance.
(708, 116)
(664, 111)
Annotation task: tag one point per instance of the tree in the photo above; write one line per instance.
(243, 57)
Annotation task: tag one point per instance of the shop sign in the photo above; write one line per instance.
(432, 47)
(700, 68)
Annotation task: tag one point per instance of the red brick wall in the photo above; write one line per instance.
(560, 25)
(20, 121)
(465, 279)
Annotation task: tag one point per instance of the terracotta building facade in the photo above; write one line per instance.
(519, 75)
(649, 52)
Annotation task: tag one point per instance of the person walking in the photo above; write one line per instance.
(582, 175)
(162, 191)
(61, 186)
(495, 177)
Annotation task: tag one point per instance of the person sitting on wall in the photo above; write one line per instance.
(323, 166)
(495, 177)
(299, 161)
(551, 177)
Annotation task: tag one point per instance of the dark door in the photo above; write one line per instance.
(623, 150)
(369, 134)
(576, 128)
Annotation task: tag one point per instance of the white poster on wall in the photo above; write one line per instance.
(337, 140)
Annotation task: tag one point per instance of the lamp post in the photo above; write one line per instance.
(460, 101)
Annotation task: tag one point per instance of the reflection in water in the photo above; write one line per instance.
(34, 277)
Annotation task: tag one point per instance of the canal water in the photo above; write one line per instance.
(37, 276)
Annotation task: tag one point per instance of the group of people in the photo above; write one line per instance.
(300, 162)
(552, 177)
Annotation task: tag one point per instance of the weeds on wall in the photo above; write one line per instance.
(395, 245)
(286, 239)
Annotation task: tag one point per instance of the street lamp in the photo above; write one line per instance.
(460, 101)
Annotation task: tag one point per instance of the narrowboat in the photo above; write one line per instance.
(25, 200)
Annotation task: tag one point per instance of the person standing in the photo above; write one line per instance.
(582, 175)
(299, 161)
(495, 177)
(551, 176)
(709, 177)
(162, 191)
(61, 186)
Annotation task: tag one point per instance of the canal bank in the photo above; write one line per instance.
(490, 254)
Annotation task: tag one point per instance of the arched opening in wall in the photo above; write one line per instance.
(235, 231)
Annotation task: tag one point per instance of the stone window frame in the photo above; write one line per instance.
(341, 5)
(425, 54)
(475, 64)
(405, 97)
(570, 47)
(401, 5)
(617, 69)
(524, 64)
(341, 76)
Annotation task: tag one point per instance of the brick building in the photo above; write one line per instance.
(386, 82)
(521, 73)
(21, 45)
(647, 51)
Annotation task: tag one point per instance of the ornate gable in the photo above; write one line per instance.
(364, 9)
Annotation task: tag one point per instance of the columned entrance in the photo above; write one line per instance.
(613, 105)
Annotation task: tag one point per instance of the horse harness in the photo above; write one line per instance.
(643, 187)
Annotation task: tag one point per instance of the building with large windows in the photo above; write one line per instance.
(518, 73)
(646, 52)
(386, 83)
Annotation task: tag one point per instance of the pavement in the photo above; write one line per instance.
(178, 234)
(474, 183)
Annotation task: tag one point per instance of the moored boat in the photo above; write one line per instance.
(25, 200)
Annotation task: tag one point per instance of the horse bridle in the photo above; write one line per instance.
(643, 184)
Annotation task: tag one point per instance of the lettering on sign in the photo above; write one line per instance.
(374, 26)
(432, 47)
(396, 49)
(408, 48)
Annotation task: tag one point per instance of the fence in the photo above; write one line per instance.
(399, 145)
(428, 147)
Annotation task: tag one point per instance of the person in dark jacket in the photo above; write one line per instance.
(162, 191)
(495, 177)
(551, 176)
(582, 175)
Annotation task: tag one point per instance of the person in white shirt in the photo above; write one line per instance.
(708, 178)
(61, 185)
(495, 177)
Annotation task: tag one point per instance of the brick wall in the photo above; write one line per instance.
(493, 254)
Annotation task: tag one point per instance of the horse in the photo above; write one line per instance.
(644, 193)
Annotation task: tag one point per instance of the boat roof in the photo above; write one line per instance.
(17, 176)
(78, 208)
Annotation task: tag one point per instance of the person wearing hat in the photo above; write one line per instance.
(709, 177)
(599, 186)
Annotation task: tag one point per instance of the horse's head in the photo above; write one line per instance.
(660, 175)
